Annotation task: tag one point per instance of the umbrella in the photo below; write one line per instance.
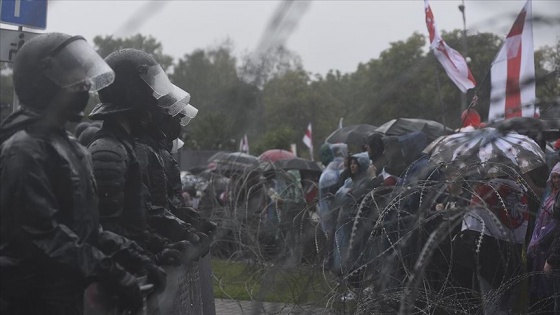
(298, 164)
(400, 126)
(355, 134)
(275, 155)
(488, 147)
(232, 162)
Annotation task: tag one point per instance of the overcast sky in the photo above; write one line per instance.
(329, 34)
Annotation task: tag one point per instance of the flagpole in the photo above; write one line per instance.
(439, 95)
(462, 9)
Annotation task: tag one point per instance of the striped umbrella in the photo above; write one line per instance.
(488, 147)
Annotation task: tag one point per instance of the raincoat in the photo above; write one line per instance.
(542, 239)
(48, 216)
(328, 185)
(347, 199)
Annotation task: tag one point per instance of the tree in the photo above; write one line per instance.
(6, 90)
(547, 72)
(225, 101)
(279, 138)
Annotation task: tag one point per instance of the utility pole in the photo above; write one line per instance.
(462, 9)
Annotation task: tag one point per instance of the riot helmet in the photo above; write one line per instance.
(141, 83)
(55, 62)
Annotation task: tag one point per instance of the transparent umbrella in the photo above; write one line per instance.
(486, 148)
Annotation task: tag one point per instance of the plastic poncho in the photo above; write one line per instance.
(328, 183)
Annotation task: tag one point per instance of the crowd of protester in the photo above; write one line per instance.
(387, 216)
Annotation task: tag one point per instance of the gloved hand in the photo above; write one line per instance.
(208, 227)
(156, 275)
(191, 216)
(180, 246)
(191, 235)
(122, 284)
(189, 252)
(168, 257)
(203, 247)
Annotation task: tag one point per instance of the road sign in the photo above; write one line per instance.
(11, 41)
(27, 13)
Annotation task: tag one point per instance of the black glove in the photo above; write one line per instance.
(191, 235)
(191, 216)
(203, 247)
(208, 227)
(122, 284)
(189, 252)
(168, 257)
(180, 246)
(155, 243)
(156, 275)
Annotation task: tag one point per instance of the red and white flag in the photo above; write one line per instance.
(308, 140)
(454, 64)
(512, 92)
(244, 144)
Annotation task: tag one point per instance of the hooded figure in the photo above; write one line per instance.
(347, 200)
(498, 219)
(404, 156)
(544, 234)
(333, 156)
(49, 221)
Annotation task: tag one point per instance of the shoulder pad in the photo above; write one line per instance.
(108, 149)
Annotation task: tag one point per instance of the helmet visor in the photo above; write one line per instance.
(188, 113)
(172, 99)
(78, 67)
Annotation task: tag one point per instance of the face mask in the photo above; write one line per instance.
(76, 107)
(171, 127)
(69, 105)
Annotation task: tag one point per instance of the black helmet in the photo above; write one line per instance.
(141, 83)
(54, 61)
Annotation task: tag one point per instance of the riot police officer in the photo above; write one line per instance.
(48, 204)
(121, 192)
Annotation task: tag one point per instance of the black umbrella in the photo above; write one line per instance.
(400, 126)
(355, 134)
(298, 164)
(547, 129)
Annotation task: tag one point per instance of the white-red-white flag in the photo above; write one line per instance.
(244, 144)
(512, 75)
(308, 140)
(452, 61)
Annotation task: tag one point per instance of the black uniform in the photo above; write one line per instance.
(50, 238)
(155, 181)
(49, 221)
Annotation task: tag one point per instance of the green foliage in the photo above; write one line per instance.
(547, 67)
(6, 92)
(221, 96)
(239, 281)
(279, 138)
(211, 130)
(272, 98)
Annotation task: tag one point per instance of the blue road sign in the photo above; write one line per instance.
(28, 13)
